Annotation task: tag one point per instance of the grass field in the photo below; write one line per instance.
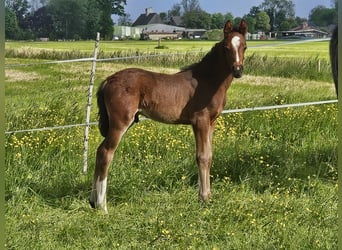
(274, 48)
(274, 174)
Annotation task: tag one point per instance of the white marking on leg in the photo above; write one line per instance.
(101, 188)
(236, 45)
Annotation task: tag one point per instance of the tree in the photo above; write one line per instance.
(109, 8)
(193, 16)
(237, 21)
(254, 11)
(228, 16)
(322, 16)
(68, 18)
(41, 22)
(175, 10)
(62, 19)
(191, 6)
(285, 25)
(278, 11)
(196, 20)
(118, 7)
(217, 21)
(251, 22)
(21, 9)
(12, 29)
(125, 20)
(92, 19)
(262, 21)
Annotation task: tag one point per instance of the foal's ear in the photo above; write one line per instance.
(243, 27)
(228, 27)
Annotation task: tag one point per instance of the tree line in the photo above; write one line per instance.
(61, 19)
(271, 15)
(81, 19)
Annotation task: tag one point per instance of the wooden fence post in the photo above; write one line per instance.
(90, 95)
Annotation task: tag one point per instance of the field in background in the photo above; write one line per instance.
(274, 48)
(274, 172)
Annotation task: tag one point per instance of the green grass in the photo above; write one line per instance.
(274, 173)
(264, 58)
(275, 48)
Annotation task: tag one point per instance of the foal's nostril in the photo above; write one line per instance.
(237, 71)
(238, 68)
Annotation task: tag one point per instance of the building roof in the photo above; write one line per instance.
(160, 28)
(176, 20)
(149, 17)
(306, 28)
(305, 31)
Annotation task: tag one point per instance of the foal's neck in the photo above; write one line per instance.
(214, 65)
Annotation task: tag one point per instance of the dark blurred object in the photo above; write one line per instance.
(334, 56)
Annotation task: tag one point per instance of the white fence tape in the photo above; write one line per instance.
(50, 62)
(279, 106)
(294, 105)
(92, 59)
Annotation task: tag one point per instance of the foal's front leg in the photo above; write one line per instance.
(203, 134)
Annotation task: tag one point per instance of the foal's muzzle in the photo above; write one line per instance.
(237, 71)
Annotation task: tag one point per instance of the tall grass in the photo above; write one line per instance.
(274, 173)
(313, 68)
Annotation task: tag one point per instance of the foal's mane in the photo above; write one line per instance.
(209, 59)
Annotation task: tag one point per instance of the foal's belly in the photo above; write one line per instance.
(167, 112)
(170, 106)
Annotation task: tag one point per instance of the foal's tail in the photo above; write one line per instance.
(103, 115)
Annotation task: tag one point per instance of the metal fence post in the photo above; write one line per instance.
(90, 95)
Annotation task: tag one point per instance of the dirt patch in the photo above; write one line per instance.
(13, 75)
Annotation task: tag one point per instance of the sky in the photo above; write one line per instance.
(237, 7)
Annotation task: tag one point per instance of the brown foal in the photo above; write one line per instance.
(196, 96)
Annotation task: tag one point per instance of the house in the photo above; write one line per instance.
(147, 18)
(126, 31)
(193, 33)
(176, 21)
(160, 31)
(305, 31)
(152, 27)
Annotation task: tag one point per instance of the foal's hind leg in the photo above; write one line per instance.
(104, 156)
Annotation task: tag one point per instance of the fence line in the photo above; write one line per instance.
(87, 59)
(262, 108)
(293, 105)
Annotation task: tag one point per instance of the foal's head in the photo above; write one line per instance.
(235, 43)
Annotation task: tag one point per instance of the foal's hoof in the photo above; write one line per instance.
(204, 197)
(102, 207)
(92, 204)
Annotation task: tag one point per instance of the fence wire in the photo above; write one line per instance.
(261, 108)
